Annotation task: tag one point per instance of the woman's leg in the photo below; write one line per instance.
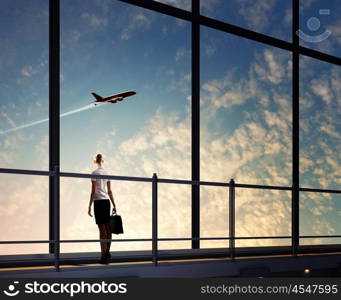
(103, 236)
(108, 236)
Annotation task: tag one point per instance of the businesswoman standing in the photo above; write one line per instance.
(100, 194)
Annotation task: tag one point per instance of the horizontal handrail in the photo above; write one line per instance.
(163, 180)
(111, 177)
(319, 190)
(169, 239)
(258, 186)
(26, 172)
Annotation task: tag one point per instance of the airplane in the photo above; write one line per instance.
(113, 98)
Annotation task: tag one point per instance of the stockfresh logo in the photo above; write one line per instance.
(12, 290)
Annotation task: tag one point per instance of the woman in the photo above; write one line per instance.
(100, 190)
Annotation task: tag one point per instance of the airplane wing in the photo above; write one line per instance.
(114, 100)
(121, 96)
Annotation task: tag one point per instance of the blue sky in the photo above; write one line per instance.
(108, 47)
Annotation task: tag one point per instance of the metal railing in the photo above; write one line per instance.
(154, 180)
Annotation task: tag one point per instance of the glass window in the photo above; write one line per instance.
(174, 215)
(320, 215)
(261, 213)
(320, 124)
(109, 47)
(24, 84)
(133, 202)
(245, 111)
(270, 17)
(24, 213)
(320, 25)
(214, 216)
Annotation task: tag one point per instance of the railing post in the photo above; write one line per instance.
(56, 212)
(232, 217)
(154, 220)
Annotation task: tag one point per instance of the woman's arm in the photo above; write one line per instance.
(111, 197)
(92, 195)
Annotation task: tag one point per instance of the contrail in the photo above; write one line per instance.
(71, 112)
(86, 107)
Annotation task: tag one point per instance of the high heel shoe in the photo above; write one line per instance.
(103, 260)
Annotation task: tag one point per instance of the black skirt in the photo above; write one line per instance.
(102, 211)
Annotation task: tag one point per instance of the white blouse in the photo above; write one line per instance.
(101, 184)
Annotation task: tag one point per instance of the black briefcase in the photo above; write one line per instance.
(116, 225)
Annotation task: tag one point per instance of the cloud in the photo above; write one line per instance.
(9, 120)
(227, 92)
(27, 71)
(256, 13)
(335, 29)
(30, 70)
(210, 49)
(320, 138)
(182, 83)
(288, 17)
(330, 129)
(135, 145)
(272, 69)
(306, 4)
(265, 213)
(209, 6)
(320, 210)
(274, 120)
(75, 35)
(321, 88)
(305, 164)
(184, 4)
(94, 21)
(322, 228)
(182, 53)
(138, 21)
(42, 151)
(164, 136)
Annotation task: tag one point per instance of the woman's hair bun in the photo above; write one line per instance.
(98, 158)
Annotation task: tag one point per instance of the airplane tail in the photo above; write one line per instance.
(98, 98)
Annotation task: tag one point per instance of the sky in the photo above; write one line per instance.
(109, 47)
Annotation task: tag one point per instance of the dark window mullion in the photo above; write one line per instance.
(54, 111)
(195, 123)
(295, 128)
